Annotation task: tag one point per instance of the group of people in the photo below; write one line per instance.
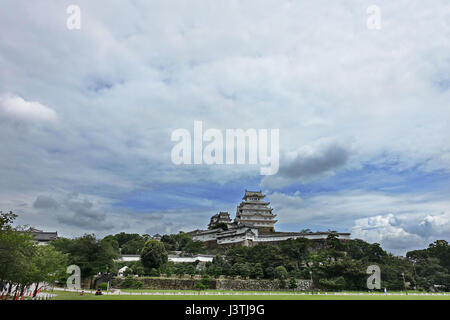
(97, 293)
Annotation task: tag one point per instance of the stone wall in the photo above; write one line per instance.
(219, 284)
(258, 285)
(163, 283)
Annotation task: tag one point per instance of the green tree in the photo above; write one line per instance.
(257, 271)
(241, 269)
(6, 220)
(62, 244)
(123, 238)
(440, 249)
(337, 283)
(16, 253)
(281, 274)
(112, 243)
(203, 284)
(154, 254)
(181, 242)
(133, 246)
(431, 266)
(334, 242)
(293, 283)
(49, 265)
(22, 261)
(90, 254)
(19, 268)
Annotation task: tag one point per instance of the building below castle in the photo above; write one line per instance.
(41, 237)
(253, 224)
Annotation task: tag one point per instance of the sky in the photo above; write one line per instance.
(363, 114)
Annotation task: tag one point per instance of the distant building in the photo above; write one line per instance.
(190, 259)
(157, 237)
(41, 237)
(254, 224)
(121, 271)
(129, 257)
(175, 258)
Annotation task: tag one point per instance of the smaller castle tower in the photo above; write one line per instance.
(221, 217)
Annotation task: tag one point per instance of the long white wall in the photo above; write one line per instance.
(173, 258)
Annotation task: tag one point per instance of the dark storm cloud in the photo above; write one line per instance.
(84, 214)
(74, 211)
(306, 166)
(45, 202)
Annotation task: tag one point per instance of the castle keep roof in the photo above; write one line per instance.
(253, 194)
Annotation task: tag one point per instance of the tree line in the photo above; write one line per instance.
(23, 263)
(332, 264)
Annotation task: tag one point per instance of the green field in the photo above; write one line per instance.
(61, 295)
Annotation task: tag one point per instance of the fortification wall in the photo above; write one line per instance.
(258, 285)
(220, 284)
(163, 283)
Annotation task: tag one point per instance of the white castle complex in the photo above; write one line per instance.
(253, 224)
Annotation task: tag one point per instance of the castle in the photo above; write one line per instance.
(253, 225)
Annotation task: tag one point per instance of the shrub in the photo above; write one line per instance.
(154, 272)
(132, 283)
(204, 283)
(281, 273)
(292, 283)
(103, 286)
(128, 272)
(337, 283)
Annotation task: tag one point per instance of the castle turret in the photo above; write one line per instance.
(254, 211)
(221, 217)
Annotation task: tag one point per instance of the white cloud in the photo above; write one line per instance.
(399, 222)
(403, 232)
(380, 229)
(18, 108)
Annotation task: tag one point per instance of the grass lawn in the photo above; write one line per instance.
(61, 295)
(212, 291)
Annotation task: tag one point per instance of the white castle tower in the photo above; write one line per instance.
(254, 211)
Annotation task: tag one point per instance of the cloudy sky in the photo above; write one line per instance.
(86, 115)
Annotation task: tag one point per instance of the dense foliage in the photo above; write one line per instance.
(153, 255)
(133, 243)
(129, 243)
(182, 242)
(90, 254)
(432, 265)
(332, 264)
(337, 265)
(23, 263)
